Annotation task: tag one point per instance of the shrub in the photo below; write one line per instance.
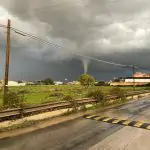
(68, 98)
(73, 103)
(101, 83)
(23, 92)
(47, 81)
(98, 95)
(86, 80)
(13, 100)
(148, 84)
(78, 91)
(56, 94)
(57, 89)
(147, 88)
(116, 91)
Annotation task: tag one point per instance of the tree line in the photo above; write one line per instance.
(85, 79)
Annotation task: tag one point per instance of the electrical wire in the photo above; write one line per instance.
(72, 52)
(141, 68)
(58, 46)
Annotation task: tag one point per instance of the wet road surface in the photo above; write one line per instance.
(83, 134)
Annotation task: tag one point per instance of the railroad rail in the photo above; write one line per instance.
(21, 112)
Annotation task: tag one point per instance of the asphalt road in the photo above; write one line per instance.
(84, 134)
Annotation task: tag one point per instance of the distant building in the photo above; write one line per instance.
(141, 75)
(74, 83)
(22, 84)
(58, 82)
(138, 79)
(12, 83)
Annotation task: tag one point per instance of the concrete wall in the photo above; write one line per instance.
(138, 80)
(58, 83)
(13, 83)
(126, 83)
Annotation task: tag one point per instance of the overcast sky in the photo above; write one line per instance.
(113, 30)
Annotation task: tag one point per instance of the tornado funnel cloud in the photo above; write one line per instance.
(85, 65)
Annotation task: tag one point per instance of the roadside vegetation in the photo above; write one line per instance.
(17, 98)
(34, 95)
(14, 100)
(46, 92)
(86, 80)
(24, 124)
(98, 94)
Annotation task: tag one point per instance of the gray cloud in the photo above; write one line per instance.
(116, 30)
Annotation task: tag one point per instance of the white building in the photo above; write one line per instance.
(137, 80)
(73, 83)
(128, 81)
(12, 83)
(58, 83)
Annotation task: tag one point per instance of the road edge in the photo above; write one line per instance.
(57, 120)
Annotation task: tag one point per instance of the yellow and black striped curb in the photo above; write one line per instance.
(137, 124)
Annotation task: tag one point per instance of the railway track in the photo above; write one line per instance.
(22, 112)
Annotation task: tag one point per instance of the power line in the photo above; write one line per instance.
(58, 46)
(141, 68)
(67, 50)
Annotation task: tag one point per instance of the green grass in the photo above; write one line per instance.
(42, 94)
(35, 98)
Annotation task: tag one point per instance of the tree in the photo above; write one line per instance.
(86, 80)
(19, 81)
(101, 83)
(48, 81)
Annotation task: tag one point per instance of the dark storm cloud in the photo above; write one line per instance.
(115, 30)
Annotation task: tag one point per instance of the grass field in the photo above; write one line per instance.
(43, 94)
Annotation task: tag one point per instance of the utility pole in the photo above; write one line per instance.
(133, 72)
(7, 59)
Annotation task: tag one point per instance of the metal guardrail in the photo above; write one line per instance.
(18, 112)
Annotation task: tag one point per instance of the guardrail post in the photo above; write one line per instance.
(22, 108)
(21, 112)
